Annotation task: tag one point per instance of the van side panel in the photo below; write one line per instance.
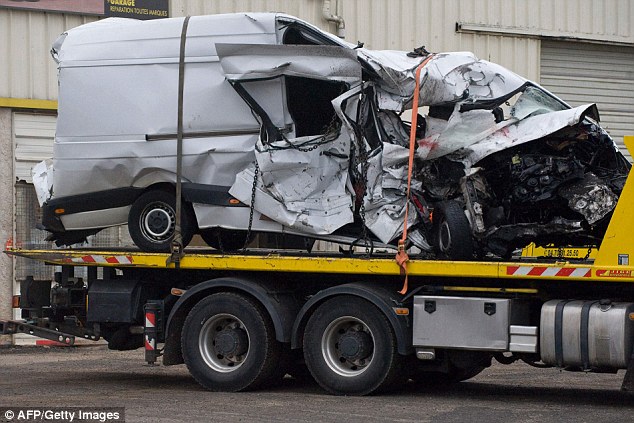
(118, 104)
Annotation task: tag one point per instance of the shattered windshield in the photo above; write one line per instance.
(534, 101)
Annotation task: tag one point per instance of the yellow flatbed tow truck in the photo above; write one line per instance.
(238, 321)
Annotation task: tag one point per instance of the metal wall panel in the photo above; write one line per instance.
(393, 20)
(397, 25)
(584, 73)
(25, 62)
(604, 19)
(25, 37)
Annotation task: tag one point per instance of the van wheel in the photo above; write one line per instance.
(152, 221)
(229, 344)
(452, 232)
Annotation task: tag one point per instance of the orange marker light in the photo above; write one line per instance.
(177, 292)
(60, 211)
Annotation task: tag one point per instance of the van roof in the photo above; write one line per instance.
(115, 39)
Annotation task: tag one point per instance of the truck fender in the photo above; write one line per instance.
(384, 299)
(280, 306)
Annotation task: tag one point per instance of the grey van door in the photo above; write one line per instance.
(301, 171)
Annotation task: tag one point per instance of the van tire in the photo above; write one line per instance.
(152, 221)
(452, 232)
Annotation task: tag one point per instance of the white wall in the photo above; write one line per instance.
(26, 67)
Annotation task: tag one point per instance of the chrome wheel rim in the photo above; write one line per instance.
(347, 346)
(158, 222)
(224, 343)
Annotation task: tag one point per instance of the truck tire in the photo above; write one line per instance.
(350, 348)
(152, 221)
(452, 232)
(229, 344)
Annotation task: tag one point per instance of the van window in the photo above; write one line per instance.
(295, 34)
(309, 104)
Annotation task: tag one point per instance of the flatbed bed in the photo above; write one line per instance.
(543, 268)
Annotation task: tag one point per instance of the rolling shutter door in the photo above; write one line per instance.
(34, 136)
(582, 73)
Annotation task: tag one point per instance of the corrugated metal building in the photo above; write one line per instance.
(582, 50)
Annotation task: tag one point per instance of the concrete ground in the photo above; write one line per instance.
(93, 376)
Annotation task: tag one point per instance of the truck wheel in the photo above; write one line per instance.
(152, 221)
(229, 344)
(452, 232)
(350, 348)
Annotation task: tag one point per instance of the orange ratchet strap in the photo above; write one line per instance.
(401, 256)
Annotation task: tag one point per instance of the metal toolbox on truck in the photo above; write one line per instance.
(465, 323)
(589, 334)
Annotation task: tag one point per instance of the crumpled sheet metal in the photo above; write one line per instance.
(304, 190)
(520, 132)
(461, 130)
(386, 190)
(447, 78)
(245, 62)
(303, 181)
(89, 167)
(463, 77)
(386, 193)
(43, 180)
(394, 68)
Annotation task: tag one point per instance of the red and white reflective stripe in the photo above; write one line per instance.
(565, 272)
(95, 258)
(150, 320)
(150, 344)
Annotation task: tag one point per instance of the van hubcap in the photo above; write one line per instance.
(158, 222)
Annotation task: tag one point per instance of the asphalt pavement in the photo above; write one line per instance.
(92, 376)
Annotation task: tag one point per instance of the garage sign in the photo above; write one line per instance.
(138, 9)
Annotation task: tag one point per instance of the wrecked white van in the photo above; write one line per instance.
(288, 129)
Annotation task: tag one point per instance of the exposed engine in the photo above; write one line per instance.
(557, 190)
